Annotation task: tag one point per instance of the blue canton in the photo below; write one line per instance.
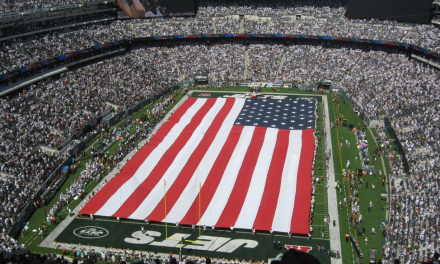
(280, 114)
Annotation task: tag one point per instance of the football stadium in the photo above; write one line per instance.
(223, 132)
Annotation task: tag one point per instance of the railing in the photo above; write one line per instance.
(359, 108)
(30, 208)
(397, 143)
(387, 125)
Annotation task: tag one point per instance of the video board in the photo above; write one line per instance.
(154, 8)
(404, 10)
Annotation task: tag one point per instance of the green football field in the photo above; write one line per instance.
(260, 246)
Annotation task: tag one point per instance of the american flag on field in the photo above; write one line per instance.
(251, 160)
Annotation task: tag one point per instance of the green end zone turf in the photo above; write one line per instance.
(220, 244)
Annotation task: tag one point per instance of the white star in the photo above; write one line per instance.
(270, 103)
(290, 127)
(250, 116)
(238, 123)
(264, 100)
(253, 108)
(255, 103)
(309, 127)
(279, 101)
(277, 110)
(278, 106)
(310, 112)
(268, 112)
(240, 118)
(252, 112)
(259, 114)
(284, 117)
(287, 104)
(275, 119)
(265, 121)
(248, 120)
(269, 108)
(292, 121)
(293, 107)
(302, 118)
(303, 105)
(255, 124)
(295, 101)
(273, 126)
(310, 106)
(257, 118)
(302, 110)
(283, 124)
(310, 121)
(293, 112)
(300, 125)
(276, 115)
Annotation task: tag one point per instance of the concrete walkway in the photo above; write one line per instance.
(335, 236)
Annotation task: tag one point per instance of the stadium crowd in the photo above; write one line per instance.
(82, 95)
(87, 92)
(382, 83)
(21, 6)
(319, 20)
(23, 27)
(227, 61)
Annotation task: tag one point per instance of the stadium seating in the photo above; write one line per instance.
(385, 83)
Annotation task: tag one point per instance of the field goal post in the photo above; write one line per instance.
(166, 223)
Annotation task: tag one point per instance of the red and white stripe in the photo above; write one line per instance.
(250, 177)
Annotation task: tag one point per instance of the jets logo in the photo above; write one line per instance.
(205, 95)
(299, 248)
(208, 243)
(90, 232)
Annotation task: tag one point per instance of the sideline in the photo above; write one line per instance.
(385, 174)
(335, 235)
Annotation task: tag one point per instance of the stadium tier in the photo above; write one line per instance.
(72, 70)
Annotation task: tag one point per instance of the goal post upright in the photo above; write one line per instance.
(200, 208)
(165, 198)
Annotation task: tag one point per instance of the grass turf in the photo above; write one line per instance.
(341, 155)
